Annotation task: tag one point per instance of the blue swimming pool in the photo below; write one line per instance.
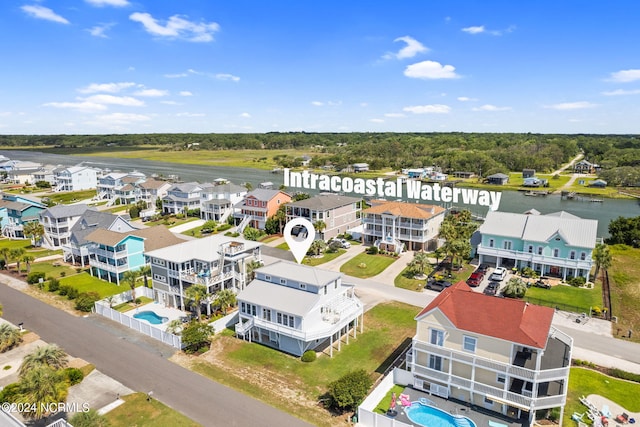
(430, 416)
(151, 317)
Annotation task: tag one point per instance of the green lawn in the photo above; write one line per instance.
(325, 258)
(72, 196)
(266, 239)
(579, 299)
(84, 282)
(51, 268)
(138, 412)
(386, 327)
(365, 265)
(25, 244)
(624, 280)
(126, 306)
(515, 182)
(284, 246)
(583, 382)
(171, 221)
(405, 280)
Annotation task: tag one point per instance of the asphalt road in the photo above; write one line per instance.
(140, 365)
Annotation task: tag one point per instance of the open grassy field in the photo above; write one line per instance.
(624, 280)
(84, 282)
(583, 382)
(579, 300)
(515, 182)
(138, 411)
(37, 252)
(258, 370)
(365, 265)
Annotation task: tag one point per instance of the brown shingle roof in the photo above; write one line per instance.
(154, 237)
(152, 184)
(505, 318)
(404, 209)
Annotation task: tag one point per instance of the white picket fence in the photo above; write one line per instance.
(102, 308)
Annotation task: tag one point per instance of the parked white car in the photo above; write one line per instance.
(498, 274)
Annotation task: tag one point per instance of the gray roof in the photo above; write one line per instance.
(186, 187)
(325, 202)
(280, 298)
(498, 175)
(224, 188)
(301, 273)
(205, 249)
(64, 211)
(263, 194)
(541, 228)
(90, 221)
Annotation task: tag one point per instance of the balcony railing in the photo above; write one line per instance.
(535, 258)
(108, 267)
(109, 254)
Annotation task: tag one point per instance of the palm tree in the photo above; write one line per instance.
(317, 247)
(131, 277)
(515, 288)
(17, 254)
(40, 388)
(50, 355)
(91, 418)
(1, 310)
(35, 230)
(320, 226)
(602, 257)
(9, 337)
(111, 299)
(251, 267)
(28, 259)
(197, 293)
(145, 272)
(6, 254)
(225, 299)
(422, 261)
(174, 327)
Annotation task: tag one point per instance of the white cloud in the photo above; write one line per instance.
(622, 92)
(126, 101)
(185, 93)
(466, 99)
(474, 30)
(123, 118)
(571, 105)
(80, 106)
(152, 92)
(115, 3)
(489, 107)
(222, 76)
(170, 103)
(394, 115)
(177, 27)
(317, 103)
(376, 120)
(45, 13)
(100, 30)
(428, 109)
(625, 76)
(245, 115)
(176, 76)
(430, 70)
(412, 48)
(106, 87)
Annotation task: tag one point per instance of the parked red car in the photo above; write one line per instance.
(475, 278)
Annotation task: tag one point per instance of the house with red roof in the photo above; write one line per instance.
(499, 354)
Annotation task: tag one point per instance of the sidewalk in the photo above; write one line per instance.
(187, 226)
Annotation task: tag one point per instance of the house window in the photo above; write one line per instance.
(530, 249)
(437, 337)
(572, 255)
(469, 344)
(159, 278)
(435, 362)
(539, 250)
(488, 401)
(556, 253)
(583, 256)
(283, 281)
(491, 243)
(267, 278)
(266, 314)
(501, 378)
(243, 307)
(507, 245)
(303, 286)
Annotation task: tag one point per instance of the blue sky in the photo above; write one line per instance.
(126, 66)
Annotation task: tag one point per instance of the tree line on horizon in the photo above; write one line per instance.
(480, 153)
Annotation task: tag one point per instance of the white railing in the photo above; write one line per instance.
(243, 224)
(535, 258)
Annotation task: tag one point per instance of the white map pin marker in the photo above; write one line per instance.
(300, 244)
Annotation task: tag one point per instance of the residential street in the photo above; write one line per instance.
(140, 364)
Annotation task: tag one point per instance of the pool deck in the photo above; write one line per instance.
(160, 310)
(478, 415)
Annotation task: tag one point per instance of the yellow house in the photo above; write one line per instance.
(498, 354)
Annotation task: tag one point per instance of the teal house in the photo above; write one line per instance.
(558, 244)
(15, 211)
(112, 253)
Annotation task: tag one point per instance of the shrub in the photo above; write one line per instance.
(10, 393)
(138, 300)
(596, 311)
(577, 281)
(54, 284)
(224, 227)
(63, 273)
(309, 356)
(362, 265)
(86, 300)
(72, 293)
(91, 418)
(195, 336)
(347, 392)
(35, 276)
(64, 290)
(372, 250)
(73, 375)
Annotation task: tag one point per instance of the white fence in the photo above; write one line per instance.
(146, 328)
(141, 291)
(366, 416)
(225, 322)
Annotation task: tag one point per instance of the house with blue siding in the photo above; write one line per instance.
(558, 244)
(17, 210)
(113, 253)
